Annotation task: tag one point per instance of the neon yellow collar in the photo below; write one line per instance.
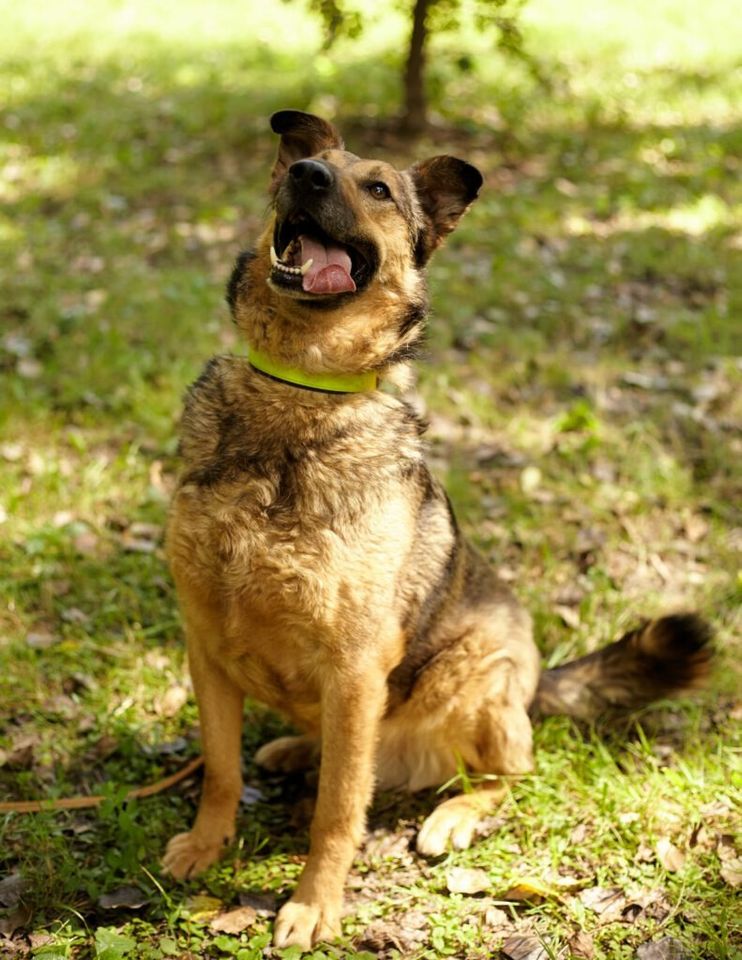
(327, 382)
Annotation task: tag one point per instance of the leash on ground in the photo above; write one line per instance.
(80, 803)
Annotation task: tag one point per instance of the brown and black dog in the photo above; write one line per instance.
(319, 565)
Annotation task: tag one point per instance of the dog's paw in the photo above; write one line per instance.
(450, 825)
(287, 754)
(186, 855)
(304, 924)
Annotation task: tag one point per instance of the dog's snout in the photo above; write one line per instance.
(312, 175)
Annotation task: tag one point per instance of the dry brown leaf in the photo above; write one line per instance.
(21, 754)
(669, 856)
(701, 838)
(41, 639)
(725, 848)
(523, 948)
(14, 920)
(467, 881)
(169, 704)
(731, 872)
(579, 834)
(696, 528)
(569, 615)
(495, 917)
(581, 946)
(606, 902)
(666, 949)
(394, 933)
(234, 921)
(123, 898)
(11, 890)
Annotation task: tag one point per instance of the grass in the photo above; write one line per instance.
(583, 387)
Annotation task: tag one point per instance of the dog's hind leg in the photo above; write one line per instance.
(453, 822)
(498, 740)
(288, 754)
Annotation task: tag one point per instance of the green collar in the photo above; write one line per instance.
(326, 382)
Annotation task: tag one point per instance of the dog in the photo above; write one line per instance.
(319, 566)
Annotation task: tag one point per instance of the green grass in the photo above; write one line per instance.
(583, 384)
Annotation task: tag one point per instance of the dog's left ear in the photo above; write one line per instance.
(445, 187)
(302, 135)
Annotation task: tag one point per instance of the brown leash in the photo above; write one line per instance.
(80, 803)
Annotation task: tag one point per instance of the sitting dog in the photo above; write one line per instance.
(319, 565)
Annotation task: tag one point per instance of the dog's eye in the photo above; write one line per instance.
(379, 190)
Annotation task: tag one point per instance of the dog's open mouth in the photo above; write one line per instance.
(314, 262)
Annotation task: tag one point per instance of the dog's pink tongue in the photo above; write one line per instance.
(330, 270)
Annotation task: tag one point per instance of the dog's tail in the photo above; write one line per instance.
(661, 658)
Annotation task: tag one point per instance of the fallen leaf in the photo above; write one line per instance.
(169, 704)
(495, 917)
(523, 948)
(234, 921)
(725, 848)
(666, 949)
(250, 796)
(388, 845)
(86, 542)
(579, 834)
(467, 881)
(531, 890)
(22, 751)
(669, 856)
(581, 946)
(126, 897)
(606, 902)
(696, 528)
(11, 452)
(569, 615)
(41, 639)
(202, 907)
(264, 904)
(15, 920)
(385, 934)
(564, 883)
(731, 872)
(644, 854)
(11, 890)
(530, 479)
(75, 615)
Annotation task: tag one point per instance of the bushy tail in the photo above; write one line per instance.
(661, 658)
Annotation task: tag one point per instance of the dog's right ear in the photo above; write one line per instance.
(302, 135)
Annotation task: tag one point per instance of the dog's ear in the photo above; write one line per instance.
(445, 187)
(302, 135)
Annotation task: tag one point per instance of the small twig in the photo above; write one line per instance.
(80, 803)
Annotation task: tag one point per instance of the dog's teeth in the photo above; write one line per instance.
(274, 257)
(305, 266)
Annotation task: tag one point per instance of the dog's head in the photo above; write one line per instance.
(349, 236)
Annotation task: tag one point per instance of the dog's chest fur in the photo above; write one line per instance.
(293, 518)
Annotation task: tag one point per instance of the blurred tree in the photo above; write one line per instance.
(431, 16)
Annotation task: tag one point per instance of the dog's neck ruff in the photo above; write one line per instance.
(323, 382)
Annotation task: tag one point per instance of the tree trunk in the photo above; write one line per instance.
(415, 115)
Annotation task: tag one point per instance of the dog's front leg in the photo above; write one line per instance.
(220, 705)
(353, 700)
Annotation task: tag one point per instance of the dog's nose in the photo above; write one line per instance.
(312, 175)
